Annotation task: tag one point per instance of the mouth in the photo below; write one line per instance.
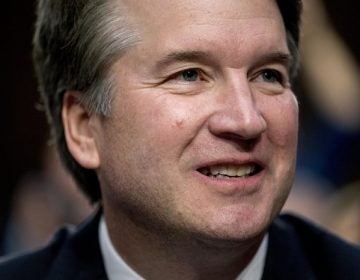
(230, 171)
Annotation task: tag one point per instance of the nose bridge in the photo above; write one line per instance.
(237, 111)
(239, 99)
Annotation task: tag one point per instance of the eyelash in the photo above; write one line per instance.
(180, 74)
(275, 74)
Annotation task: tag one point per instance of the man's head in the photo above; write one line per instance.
(182, 111)
(75, 44)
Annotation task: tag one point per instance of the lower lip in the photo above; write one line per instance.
(232, 186)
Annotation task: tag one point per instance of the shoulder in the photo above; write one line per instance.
(73, 253)
(35, 264)
(322, 254)
(316, 239)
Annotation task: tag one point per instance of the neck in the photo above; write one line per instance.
(165, 255)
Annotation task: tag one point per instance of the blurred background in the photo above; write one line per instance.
(37, 195)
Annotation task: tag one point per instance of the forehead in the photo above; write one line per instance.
(227, 27)
(156, 12)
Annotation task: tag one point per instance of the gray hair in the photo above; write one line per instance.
(75, 44)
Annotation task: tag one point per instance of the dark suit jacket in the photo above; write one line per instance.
(297, 250)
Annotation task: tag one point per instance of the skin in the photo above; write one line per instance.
(207, 85)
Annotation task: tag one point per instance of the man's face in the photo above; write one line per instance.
(203, 133)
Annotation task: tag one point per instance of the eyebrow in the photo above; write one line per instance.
(184, 56)
(283, 58)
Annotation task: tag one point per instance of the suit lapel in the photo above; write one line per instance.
(285, 258)
(80, 257)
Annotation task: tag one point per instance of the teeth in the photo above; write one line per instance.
(217, 170)
(222, 171)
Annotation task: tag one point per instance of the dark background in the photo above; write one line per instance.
(23, 126)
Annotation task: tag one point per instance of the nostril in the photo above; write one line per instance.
(235, 126)
(239, 142)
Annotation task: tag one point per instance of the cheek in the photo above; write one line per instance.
(155, 128)
(282, 120)
(173, 119)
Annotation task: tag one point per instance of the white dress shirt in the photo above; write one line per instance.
(117, 269)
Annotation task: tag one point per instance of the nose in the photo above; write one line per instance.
(236, 114)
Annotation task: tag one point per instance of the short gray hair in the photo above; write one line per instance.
(75, 43)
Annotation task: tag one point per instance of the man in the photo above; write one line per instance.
(178, 116)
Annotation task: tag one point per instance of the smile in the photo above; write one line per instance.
(230, 171)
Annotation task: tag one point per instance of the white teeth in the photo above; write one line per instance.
(231, 171)
(221, 171)
(216, 170)
(246, 170)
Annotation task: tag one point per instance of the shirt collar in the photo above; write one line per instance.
(254, 270)
(116, 268)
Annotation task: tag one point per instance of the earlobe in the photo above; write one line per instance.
(79, 134)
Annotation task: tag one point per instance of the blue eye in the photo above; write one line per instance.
(271, 76)
(190, 75)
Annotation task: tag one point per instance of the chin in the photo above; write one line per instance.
(236, 229)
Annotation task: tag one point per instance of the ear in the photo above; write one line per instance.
(79, 131)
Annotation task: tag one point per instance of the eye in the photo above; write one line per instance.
(188, 75)
(271, 76)
(270, 80)
(188, 81)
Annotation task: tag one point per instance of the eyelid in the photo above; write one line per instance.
(279, 76)
(176, 74)
(281, 71)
